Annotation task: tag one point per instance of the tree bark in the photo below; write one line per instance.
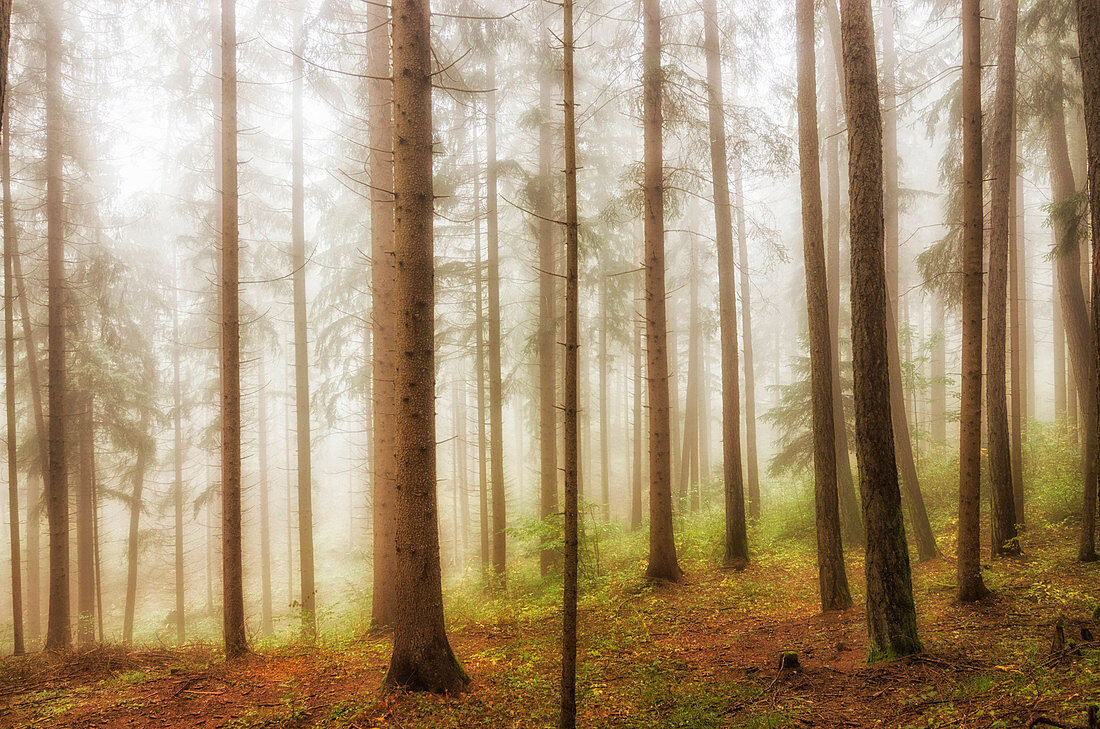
(733, 485)
(177, 458)
(422, 658)
(233, 629)
(831, 578)
(1002, 150)
(636, 506)
(752, 463)
(58, 634)
(479, 356)
(301, 348)
(136, 507)
(605, 373)
(1017, 284)
(970, 584)
(266, 626)
(82, 432)
(571, 451)
(891, 613)
(662, 546)
(380, 159)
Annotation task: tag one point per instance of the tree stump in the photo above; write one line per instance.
(788, 661)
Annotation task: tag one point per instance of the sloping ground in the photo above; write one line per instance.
(699, 655)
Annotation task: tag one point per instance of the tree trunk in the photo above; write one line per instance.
(689, 458)
(82, 433)
(1017, 283)
(1088, 35)
(605, 373)
(662, 546)
(136, 505)
(851, 524)
(1002, 150)
(479, 353)
(496, 416)
(1075, 313)
(380, 159)
(422, 659)
(547, 340)
(9, 342)
(266, 627)
(939, 373)
(736, 539)
(58, 634)
(891, 613)
(236, 642)
(831, 577)
(1060, 385)
(970, 584)
(638, 449)
(177, 458)
(570, 388)
(301, 348)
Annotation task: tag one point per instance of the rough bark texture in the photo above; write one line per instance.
(1002, 150)
(58, 634)
(1075, 314)
(571, 450)
(662, 545)
(970, 584)
(831, 577)
(891, 613)
(496, 397)
(422, 658)
(301, 347)
(380, 160)
(233, 629)
(1088, 34)
(732, 479)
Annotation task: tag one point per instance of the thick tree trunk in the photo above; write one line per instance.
(736, 540)
(1002, 150)
(891, 613)
(851, 524)
(301, 349)
(380, 160)
(9, 342)
(571, 451)
(832, 579)
(970, 584)
(1088, 35)
(1079, 334)
(496, 397)
(547, 339)
(236, 641)
(662, 546)
(422, 659)
(58, 634)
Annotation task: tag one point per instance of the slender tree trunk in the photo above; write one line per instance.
(290, 478)
(752, 466)
(922, 530)
(605, 373)
(832, 579)
(1017, 342)
(9, 342)
(81, 432)
(851, 524)
(177, 457)
(970, 584)
(570, 386)
(380, 116)
(636, 506)
(1088, 35)
(496, 416)
(891, 613)
(266, 627)
(1060, 385)
(547, 344)
(479, 352)
(735, 539)
(422, 659)
(689, 460)
(236, 642)
(939, 373)
(58, 634)
(1002, 150)
(301, 349)
(136, 506)
(1075, 312)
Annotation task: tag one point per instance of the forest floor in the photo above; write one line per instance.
(701, 654)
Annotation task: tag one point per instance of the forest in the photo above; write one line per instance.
(550, 363)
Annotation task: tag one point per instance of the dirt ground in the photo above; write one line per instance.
(702, 654)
